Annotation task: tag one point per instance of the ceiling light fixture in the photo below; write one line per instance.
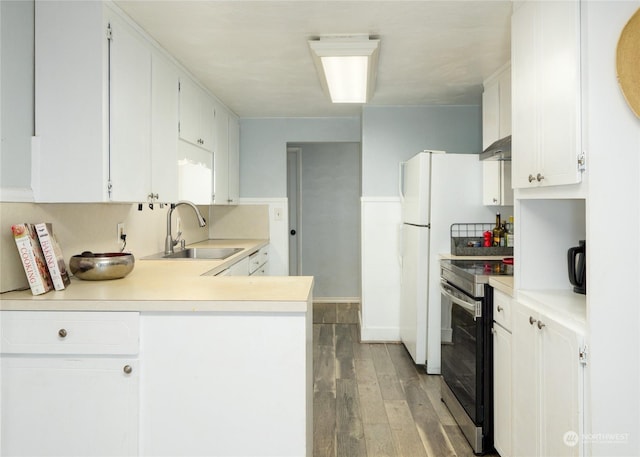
(347, 66)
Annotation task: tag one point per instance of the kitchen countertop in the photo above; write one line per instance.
(502, 283)
(176, 286)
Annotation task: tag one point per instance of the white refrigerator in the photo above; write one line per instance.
(436, 190)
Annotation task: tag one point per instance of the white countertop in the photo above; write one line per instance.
(502, 283)
(175, 286)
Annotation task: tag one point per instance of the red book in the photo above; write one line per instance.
(53, 256)
(35, 266)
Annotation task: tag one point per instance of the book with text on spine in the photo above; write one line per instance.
(33, 261)
(53, 256)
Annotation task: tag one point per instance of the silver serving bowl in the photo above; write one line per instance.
(96, 267)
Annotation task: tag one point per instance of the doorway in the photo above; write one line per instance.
(323, 191)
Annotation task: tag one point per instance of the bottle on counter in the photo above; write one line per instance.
(497, 231)
(510, 233)
(503, 234)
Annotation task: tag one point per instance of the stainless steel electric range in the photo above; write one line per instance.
(467, 345)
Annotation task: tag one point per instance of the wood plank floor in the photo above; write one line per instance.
(371, 400)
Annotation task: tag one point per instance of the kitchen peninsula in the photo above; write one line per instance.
(166, 361)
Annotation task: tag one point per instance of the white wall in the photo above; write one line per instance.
(613, 228)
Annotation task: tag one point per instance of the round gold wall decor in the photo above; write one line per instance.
(628, 62)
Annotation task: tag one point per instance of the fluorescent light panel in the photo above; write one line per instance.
(346, 78)
(346, 66)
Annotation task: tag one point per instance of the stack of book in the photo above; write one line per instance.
(41, 257)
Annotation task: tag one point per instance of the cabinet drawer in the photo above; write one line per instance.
(51, 332)
(502, 309)
(258, 259)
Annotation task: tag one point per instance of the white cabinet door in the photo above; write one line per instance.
(547, 385)
(197, 115)
(234, 160)
(221, 159)
(70, 383)
(560, 389)
(71, 406)
(525, 388)
(490, 114)
(546, 93)
(164, 129)
(496, 124)
(240, 268)
(226, 168)
(502, 397)
(130, 114)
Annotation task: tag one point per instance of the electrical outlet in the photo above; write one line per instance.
(121, 232)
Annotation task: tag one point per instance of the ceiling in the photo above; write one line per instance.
(254, 56)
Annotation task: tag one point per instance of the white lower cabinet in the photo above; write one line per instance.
(502, 366)
(226, 384)
(70, 384)
(258, 262)
(548, 381)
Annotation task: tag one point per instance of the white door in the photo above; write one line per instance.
(71, 406)
(130, 115)
(414, 291)
(560, 406)
(414, 189)
(526, 382)
(502, 391)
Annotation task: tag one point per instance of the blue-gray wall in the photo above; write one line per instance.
(263, 148)
(389, 135)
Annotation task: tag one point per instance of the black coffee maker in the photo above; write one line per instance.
(577, 263)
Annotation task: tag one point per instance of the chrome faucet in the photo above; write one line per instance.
(169, 241)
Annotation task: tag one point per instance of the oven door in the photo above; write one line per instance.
(462, 349)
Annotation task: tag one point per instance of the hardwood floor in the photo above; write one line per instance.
(371, 400)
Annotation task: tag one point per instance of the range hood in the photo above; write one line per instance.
(498, 150)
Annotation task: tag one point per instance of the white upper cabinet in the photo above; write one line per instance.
(98, 108)
(226, 159)
(234, 160)
(546, 106)
(129, 114)
(164, 129)
(496, 124)
(221, 159)
(197, 115)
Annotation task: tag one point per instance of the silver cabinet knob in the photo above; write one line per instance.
(541, 324)
(532, 320)
(127, 369)
(500, 308)
(62, 333)
(539, 177)
(532, 178)
(495, 200)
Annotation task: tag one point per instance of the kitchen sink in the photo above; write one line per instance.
(197, 254)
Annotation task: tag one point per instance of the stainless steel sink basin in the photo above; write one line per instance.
(197, 254)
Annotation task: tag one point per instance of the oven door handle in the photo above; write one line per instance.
(474, 307)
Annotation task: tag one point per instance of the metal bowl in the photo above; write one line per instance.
(96, 267)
